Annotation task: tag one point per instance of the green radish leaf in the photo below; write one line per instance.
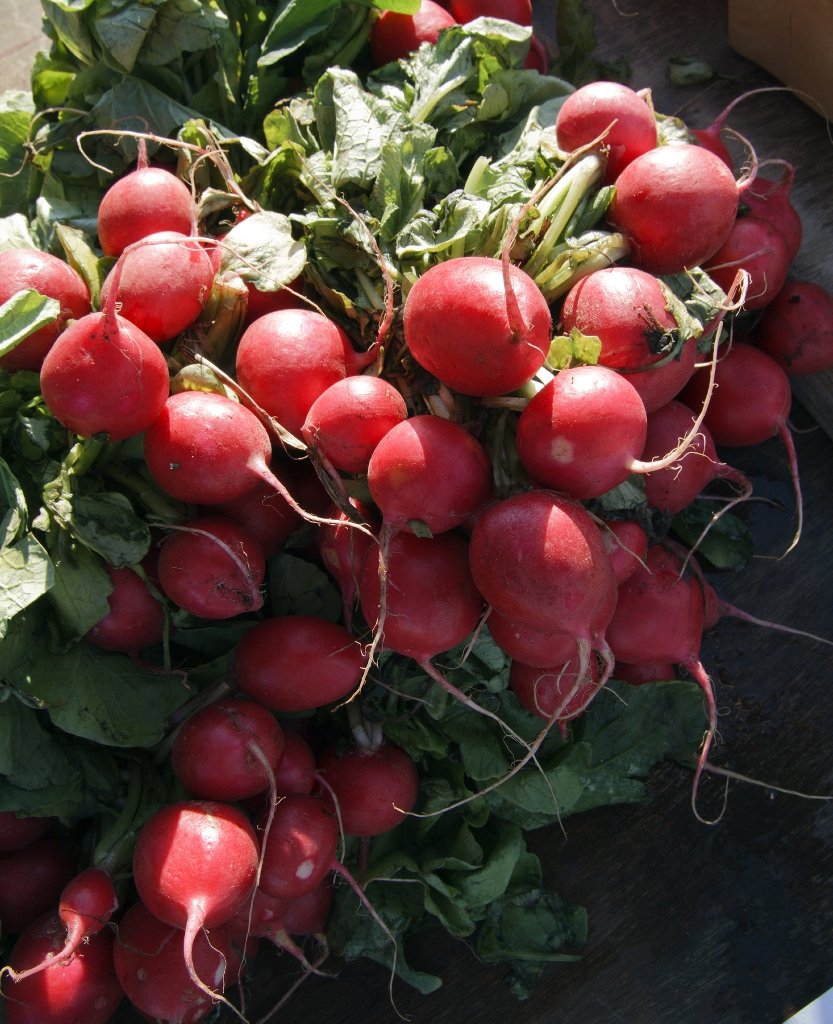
(689, 71)
(105, 522)
(26, 574)
(19, 175)
(726, 542)
(300, 588)
(262, 250)
(25, 312)
(81, 588)
(82, 258)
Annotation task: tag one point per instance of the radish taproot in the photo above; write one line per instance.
(32, 269)
(480, 326)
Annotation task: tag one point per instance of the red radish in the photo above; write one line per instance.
(135, 619)
(675, 487)
(212, 568)
(262, 511)
(676, 205)
(162, 285)
(87, 903)
(531, 644)
(770, 200)
(300, 849)
(32, 879)
(626, 543)
(538, 59)
(297, 768)
(343, 551)
(555, 693)
(480, 326)
(147, 200)
(627, 310)
(153, 974)
(195, 865)
(428, 472)
(32, 269)
(297, 662)
(648, 672)
(228, 750)
(394, 36)
(659, 618)
(615, 109)
(286, 359)
(277, 920)
(658, 383)
(103, 375)
(260, 303)
(519, 11)
(796, 329)
(81, 988)
(17, 831)
(750, 404)
(374, 788)
(349, 418)
(758, 248)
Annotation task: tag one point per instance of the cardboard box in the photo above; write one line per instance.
(792, 40)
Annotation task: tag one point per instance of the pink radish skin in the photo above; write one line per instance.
(343, 551)
(82, 988)
(32, 880)
(212, 568)
(262, 511)
(297, 662)
(286, 359)
(87, 903)
(161, 286)
(644, 674)
(770, 200)
(676, 205)
(796, 329)
(278, 919)
(153, 974)
(19, 831)
(430, 471)
(519, 11)
(674, 488)
(658, 383)
(136, 618)
(32, 269)
(228, 750)
(103, 375)
(599, 106)
(659, 618)
(260, 303)
(758, 248)
(627, 310)
(481, 327)
(554, 693)
(300, 849)
(348, 420)
(297, 768)
(147, 200)
(395, 35)
(374, 788)
(626, 543)
(195, 865)
(531, 644)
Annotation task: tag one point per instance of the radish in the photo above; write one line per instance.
(555, 693)
(624, 117)
(647, 672)
(277, 920)
(144, 201)
(264, 512)
(675, 487)
(519, 11)
(17, 831)
(136, 619)
(259, 303)
(103, 375)
(480, 326)
(297, 662)
(32, 879)
(212, 568)
(676, 205)
(796, 329)
(152, 971)
(531, 644)
(86, 904)
(300, 849)
(32, 269)
(539, 558)
(394, 35)
(428, 473)
(626, 543)
(286, 359)
(81, 988)
(228, 750)
(658, 383)
(296, 771)
(627, 310)
(750, 404)
(349, 418)
(343, 551)
(195, 864)
(373, 788)
(162, 285)
(659, 618)
(758, 248)
(770, 200)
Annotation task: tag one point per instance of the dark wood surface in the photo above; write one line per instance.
(689, 923)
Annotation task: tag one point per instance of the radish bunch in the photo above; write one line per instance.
(376, 528)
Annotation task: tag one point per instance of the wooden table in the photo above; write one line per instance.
(692, 924)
